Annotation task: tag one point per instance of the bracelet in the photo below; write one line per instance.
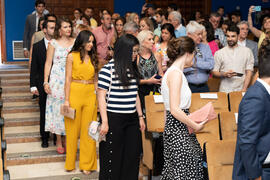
(141, 116)
(45, 83)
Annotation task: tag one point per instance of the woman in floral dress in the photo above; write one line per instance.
(54, 79)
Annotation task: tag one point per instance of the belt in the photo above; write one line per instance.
(266, 165)
(83, 81)
(198, 85)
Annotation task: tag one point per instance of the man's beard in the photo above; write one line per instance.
(232, 43)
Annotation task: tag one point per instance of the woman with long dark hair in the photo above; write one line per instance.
(55, 64)
(167, 33)
(121, 113)
(81, 71)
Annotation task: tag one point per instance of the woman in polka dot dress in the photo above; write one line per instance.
(182, 152)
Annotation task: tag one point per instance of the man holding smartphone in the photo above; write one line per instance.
(233, 64)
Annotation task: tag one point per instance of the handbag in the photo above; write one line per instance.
(204, 114)
(94, 126)
(94, 131)
(71, 113)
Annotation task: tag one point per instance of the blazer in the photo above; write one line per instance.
(253, 46)
(37, 65)
(29, 30)
(253, 133)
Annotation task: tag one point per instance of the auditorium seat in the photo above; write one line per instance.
(228, 125)
(220, 157)
(220, 103)
(235, 99)
(210, 132)
(154, 115)
(213, 84)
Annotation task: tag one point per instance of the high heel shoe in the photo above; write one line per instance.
(60, 150)
(85, 172)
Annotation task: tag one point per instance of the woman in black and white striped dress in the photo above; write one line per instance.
(121, 113)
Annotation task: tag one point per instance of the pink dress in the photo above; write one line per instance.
(213, 46)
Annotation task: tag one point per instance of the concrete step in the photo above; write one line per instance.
(15, 82)
(34, 157)
(19, 109)
(22, 137)
(22, 134)
(47, 171)
(20, 104)
(13, 71)
(12, 89)
(21, 115)
(21, 122)
(14, 76)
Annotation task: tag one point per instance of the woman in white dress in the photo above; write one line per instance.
(54, 79)
(182, 152)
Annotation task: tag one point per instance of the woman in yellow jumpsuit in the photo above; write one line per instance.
(81, 70)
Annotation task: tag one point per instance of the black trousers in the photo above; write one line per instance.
(120, 154)
(198, 88)
(42, 106)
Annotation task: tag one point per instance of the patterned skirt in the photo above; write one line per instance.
(182, 152)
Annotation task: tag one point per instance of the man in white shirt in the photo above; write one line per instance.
(233, 64)
(31, 26)
(37, 75)
(243, 41)
(252, 154)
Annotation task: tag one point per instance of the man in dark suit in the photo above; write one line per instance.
(243, 41)
(31, 26)
(252, 155)
(37, 75)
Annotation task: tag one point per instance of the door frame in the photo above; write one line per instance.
(3, 32)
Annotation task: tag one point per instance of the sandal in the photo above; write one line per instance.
(60, 150)
(85, 172)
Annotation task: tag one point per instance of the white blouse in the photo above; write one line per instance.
(185, 97)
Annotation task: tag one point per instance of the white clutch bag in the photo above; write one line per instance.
(93, 131)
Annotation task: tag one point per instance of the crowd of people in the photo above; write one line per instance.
(114, 64)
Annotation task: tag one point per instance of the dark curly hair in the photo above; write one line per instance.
(178, 47)
(81, 40)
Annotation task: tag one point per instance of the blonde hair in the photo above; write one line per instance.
(143, 35)
(149, 23)
(131, 17)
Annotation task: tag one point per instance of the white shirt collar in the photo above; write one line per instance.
(179, 27)
(243, 43)
(267, 86)
(46, 42)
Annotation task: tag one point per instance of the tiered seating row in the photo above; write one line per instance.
(4, 173)
(219, 135)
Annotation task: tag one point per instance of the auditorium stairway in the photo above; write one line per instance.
(25, 158)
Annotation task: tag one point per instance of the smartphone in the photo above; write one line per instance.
(239, 74)
(158, 77)
(257, 8)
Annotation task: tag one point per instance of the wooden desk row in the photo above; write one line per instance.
(222, 102)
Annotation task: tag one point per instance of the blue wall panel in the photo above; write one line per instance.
(230, 5)
(15, 14)
(122, 6)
